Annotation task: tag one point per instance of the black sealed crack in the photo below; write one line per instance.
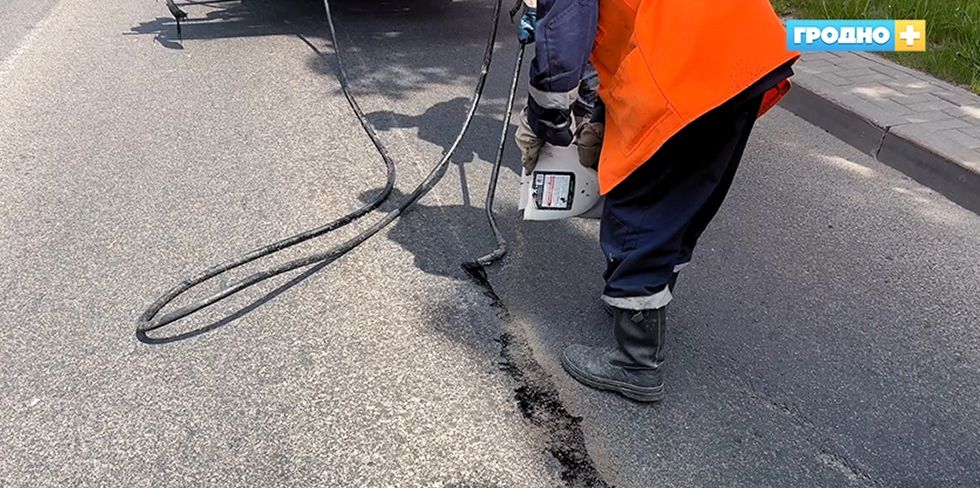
(881, 142)
(537, 398)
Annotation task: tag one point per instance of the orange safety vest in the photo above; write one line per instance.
(664, 63)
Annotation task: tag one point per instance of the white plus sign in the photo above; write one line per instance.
(910, 35)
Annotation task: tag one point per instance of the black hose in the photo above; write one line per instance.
(149, 320)
(501, 249)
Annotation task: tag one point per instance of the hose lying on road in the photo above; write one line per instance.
(151, 318)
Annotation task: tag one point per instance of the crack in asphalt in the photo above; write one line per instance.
(827, 453)
(537, 397)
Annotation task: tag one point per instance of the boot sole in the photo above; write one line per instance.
(638, 393)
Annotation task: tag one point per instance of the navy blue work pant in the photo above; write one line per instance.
(651, 221)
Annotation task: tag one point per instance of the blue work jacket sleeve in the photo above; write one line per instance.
(564, 36)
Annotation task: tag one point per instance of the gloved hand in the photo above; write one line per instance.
(529, 21)
(588, 138)
(528, 142)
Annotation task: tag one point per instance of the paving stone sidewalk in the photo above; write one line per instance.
(923, 126)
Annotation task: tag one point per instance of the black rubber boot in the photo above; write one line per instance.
(633, 368)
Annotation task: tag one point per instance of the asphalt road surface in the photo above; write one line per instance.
(828, 333)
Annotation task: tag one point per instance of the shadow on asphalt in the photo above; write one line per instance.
(791, 358)
(400, 29)
(399, 33)
(539, 266)
(228, 19)
(438, 125)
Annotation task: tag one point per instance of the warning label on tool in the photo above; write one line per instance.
(554, 191)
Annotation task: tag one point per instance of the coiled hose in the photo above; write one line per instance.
(151, 319)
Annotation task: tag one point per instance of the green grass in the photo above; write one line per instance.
(953, 30)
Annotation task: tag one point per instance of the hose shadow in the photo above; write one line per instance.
(551, 275)
(430, 233)
(438, 125)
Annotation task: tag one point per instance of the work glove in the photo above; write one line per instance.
(588, 138)
(529, 21)
(528, 142)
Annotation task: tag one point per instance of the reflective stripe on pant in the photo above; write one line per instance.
(651, 221)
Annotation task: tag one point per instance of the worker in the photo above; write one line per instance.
(681, 84)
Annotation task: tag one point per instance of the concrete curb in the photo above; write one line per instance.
(922, 164)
